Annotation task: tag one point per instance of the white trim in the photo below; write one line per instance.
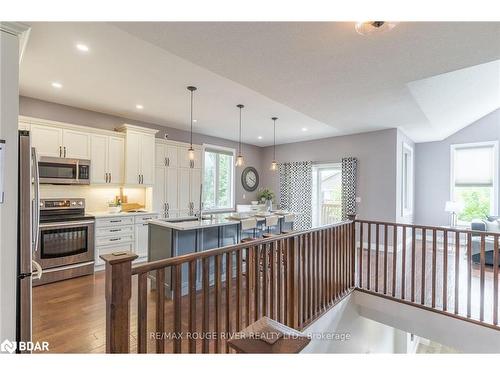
(317, 166)
(233, 175)
(456, 146)
(407, 149)
(128, 127)
(19, 29)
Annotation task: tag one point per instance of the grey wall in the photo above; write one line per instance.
(63, 113)
(432, 168)
(376, 153)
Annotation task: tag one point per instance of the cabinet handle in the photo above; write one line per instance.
(60, 151)
(110, 177)
(168, 206)
(168, 162)
(106, 177)
(115, 221)
(114, 239)
(145, 224)
(115, 230)
(64, 151)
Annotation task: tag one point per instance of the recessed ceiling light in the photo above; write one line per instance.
(82, 47)
(259, 137)
(304, 129)
(194, 120)
(139, 106)
(56, 85)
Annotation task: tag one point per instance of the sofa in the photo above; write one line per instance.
(489, 224)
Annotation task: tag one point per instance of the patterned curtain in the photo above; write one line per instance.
(296, 191)
(349, 172)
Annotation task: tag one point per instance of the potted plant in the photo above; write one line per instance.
(266, 196)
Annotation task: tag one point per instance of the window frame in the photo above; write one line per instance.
(232, 151)
(457, 146)
(407, 180)
(317, 167)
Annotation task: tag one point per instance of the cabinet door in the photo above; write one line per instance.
(98, 158)
(183, 157)
(132, 158)
(172, 188)
(184, 188)
(76, 144)
(195, 186)
(160, 155)
(172, 156)
(141, 240)
(115, 158)
(147, 158)
(47, 140)
(159, 190)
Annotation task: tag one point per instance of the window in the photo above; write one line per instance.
(474, 179)
(407, 181)
(327, 194)
(218, 178)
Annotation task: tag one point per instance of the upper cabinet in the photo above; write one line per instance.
(59, 142)
(139, 155)
(107, 155)
(185, 162)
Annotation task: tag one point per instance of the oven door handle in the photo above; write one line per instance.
(39, 271)
(66, 224)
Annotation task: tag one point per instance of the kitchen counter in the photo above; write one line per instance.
(101, 214)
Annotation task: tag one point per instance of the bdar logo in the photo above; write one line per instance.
(8, 346)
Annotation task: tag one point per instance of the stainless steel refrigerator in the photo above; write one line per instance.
(28, 224)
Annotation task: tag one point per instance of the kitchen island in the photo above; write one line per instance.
(173, 237)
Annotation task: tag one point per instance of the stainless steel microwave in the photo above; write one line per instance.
(64, 171)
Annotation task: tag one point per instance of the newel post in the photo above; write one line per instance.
(352, 242)
(118, 292)
(293, 282)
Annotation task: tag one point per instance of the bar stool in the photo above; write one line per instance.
(248, 228)
(288, 221)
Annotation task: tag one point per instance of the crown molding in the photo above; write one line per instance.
(19, 29)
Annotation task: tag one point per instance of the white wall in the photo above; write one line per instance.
(9, 75)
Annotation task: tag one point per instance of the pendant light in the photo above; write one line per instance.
(192, 89)
(239, 158)
(274, 163)
(374, 27)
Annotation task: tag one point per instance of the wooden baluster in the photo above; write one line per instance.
(316, 272)
(360, 260)
(403, 264)
(368, 259)
(377, 241)
(413, 248)
(177, 281)
(337, 261)
(142, 313)
(343, 258)
(229, 289)
(160, 310)
(272, 292)
(279, 276)
(286, 257)
(482, 280)
(257, 289)
(293, 290)
(394, 258)
(495, 280)
(265, 280)
(445, 270)
(334, 264)
(386, 252)
(352, 256)
(218, 302)
(457, 269)
(424, 249)
(469, 275)
(434, 252)
(311, 274)
(239, 271)
(192, 306)
(205, 322)
(321, 262)
(250, 269)
(303, 276)
(327, 267)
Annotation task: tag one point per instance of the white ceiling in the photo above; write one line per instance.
(321, 76)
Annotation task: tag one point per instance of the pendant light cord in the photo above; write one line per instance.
(191, 136)
(274, 141)
(239, 146)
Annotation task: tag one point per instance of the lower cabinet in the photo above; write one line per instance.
(122, 233)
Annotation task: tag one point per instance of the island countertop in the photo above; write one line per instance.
(216, 220)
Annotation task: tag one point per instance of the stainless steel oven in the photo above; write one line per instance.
(64, 171)
(66, 240)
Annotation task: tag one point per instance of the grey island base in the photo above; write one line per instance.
(173, 237)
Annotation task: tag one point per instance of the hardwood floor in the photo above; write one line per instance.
(70, 314)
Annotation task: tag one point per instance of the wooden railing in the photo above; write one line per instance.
(430, 267)
(200, 299)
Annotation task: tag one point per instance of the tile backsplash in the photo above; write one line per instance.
(96, 197)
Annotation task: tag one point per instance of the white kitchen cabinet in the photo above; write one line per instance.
(184, 178)
(195, 188)
(173, 188)
(76, 144)
(139, 156)
(47, 140)
(106, 155)
(172, 154)
(115, 159)
(159, 190)
(141, 240)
